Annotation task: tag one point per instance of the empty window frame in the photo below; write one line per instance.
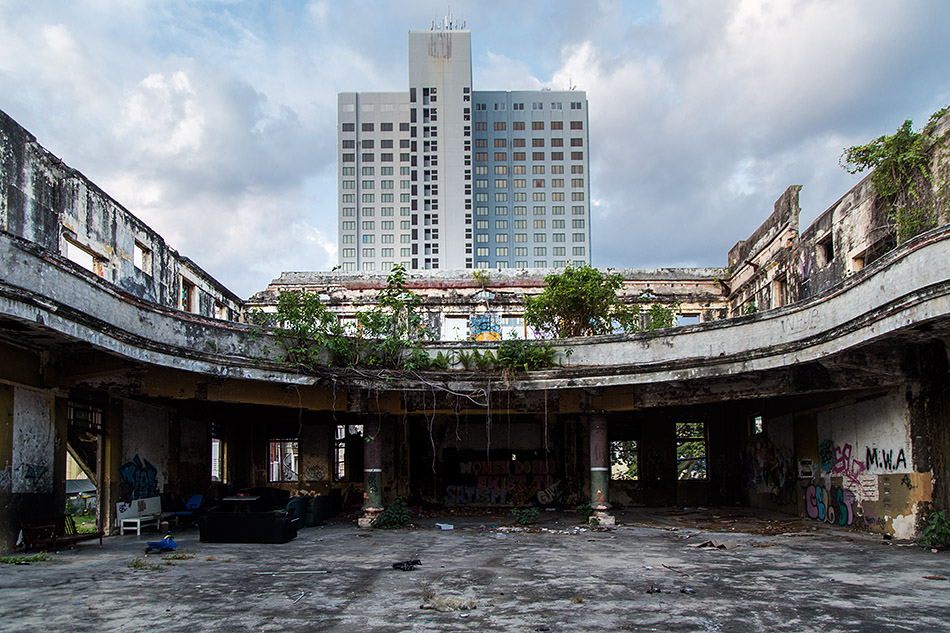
(691, 450)
(282, 461)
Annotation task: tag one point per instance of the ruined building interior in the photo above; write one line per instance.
(808, 375)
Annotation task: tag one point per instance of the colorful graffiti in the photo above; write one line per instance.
(139, 479)
(485, 327)
(834, 505)
(845, 465)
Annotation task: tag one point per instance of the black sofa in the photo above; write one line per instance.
(246, 527)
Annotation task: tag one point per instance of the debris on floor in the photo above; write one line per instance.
(407, 565)
(715, 544)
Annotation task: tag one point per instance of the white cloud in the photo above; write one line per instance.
(216, 123)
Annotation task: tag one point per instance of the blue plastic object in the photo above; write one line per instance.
(167, 544)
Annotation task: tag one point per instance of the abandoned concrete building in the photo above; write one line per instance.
(809, 375)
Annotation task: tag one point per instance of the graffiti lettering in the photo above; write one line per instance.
(835, 506)
(886, 459)
(845, 465)
(139, 479)
(33, 471)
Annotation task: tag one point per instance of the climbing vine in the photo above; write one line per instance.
(901, 178)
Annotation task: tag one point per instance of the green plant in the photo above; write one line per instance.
(481, 277)
(580, 302)
(311, 334)
(485, 361)
(525, 516)
(442, 361)
(467, 359)
(419, 359)
(138, 563)
(749, 307)
(585, 512)
(661, 316)
(936, 534)
(22, 560)
(519, 354)
(901, 177)
(395, 516)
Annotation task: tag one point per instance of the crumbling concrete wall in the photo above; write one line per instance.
(777, 265)
(145, 450)
(46, 202)
(460, 306)
(32, 458)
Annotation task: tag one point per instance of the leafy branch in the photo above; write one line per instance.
(901, 178)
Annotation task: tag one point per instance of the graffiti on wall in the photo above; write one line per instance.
(833, 505)
(504, 482)
(845, 504)
(885, 459)
(139, 479)
(485, 327)
(769, 466)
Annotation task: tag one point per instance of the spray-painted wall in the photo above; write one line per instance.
(865, 474)
(145, 450)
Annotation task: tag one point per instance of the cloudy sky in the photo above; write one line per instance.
(215, 121)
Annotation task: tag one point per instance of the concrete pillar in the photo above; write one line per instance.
(599, 469)
(372, 474)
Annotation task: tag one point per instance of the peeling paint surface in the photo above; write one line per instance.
(33, 442)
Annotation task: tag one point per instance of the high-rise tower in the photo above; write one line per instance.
(442, 176)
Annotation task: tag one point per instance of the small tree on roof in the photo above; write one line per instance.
(580, 302)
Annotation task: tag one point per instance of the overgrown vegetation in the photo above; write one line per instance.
(138, 563)
(902, 178)
(585, 512)
(936, 534)
(395, 516)
(584, 301)
(519, 354)
(388, 335)
(525, 516)
(24, 560)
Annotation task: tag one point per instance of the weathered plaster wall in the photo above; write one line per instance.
(145, 450)
(34, 442)
(32, 458)
(852, 233)
(865, 472)
(46, 202)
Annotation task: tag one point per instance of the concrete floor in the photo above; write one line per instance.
(779, 574)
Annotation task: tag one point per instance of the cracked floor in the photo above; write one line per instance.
(775, 573)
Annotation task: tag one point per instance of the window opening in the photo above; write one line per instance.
(691, 450)
(283, 461)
